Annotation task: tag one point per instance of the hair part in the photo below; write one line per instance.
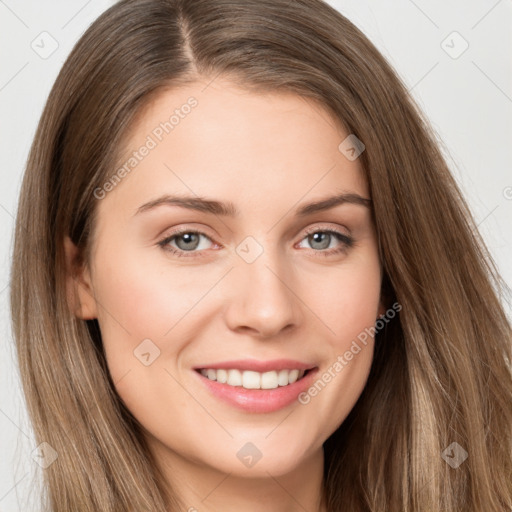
(442, 368)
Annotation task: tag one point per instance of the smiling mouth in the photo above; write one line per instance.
(249, 379)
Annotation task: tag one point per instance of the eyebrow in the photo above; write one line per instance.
(228, 209)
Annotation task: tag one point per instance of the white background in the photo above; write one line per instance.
(468, 100)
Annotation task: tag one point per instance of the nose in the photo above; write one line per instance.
(262, 301)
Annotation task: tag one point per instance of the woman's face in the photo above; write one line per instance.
(257, 284)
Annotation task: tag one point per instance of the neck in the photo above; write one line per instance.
(202, 488)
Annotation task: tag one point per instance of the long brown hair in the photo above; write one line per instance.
(442, 368)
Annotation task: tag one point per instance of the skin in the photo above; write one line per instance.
(268, 154)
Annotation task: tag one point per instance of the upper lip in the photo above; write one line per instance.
(258, 366)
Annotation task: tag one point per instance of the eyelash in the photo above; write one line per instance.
(347, 242)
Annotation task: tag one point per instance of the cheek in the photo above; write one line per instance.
(142, 300)
(347, 305)
(137, 302)
(346, 301)
(146, 305)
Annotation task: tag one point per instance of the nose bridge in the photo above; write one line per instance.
(263, 298)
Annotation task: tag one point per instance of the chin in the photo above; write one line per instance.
(259, 459)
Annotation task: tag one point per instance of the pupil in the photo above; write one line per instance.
(317, 238)
(190, 239)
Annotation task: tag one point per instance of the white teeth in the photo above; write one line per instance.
(222, 376)
(269, 380)
(293, 376)
(282, 378)
(254, 380)
(234, 378)
(251, 380)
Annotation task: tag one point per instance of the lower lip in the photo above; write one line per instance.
(259, 400)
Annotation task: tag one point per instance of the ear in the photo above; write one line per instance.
(80, 292)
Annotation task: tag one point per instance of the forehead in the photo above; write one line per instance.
(264, 151)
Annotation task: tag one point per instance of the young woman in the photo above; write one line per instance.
(244, 277)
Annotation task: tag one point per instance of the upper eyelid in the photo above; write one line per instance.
(307, 230)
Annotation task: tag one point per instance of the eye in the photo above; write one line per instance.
(185, 240)
(321, 239)
(189, 241)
